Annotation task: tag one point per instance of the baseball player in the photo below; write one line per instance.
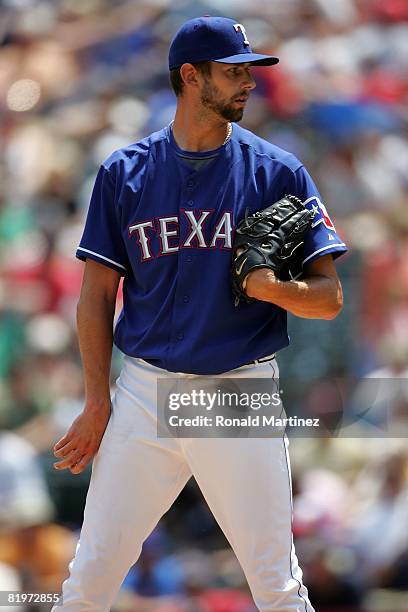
(162, 215)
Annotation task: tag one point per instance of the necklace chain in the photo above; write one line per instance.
(228, 136)
(229, 132)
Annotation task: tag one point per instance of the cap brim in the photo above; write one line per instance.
(256, 59)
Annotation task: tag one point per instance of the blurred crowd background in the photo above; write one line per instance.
(79, 79)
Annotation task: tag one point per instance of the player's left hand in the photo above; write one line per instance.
(270, 239)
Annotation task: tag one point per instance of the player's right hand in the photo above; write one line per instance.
(81, 442)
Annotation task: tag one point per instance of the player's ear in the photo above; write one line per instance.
(189, 75)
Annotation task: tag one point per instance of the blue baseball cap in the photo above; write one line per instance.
(215, 39)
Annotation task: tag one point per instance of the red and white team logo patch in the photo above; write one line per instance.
(321, 214)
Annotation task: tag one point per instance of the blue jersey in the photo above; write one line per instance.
(167, 227)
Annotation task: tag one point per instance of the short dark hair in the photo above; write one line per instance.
(177, 82)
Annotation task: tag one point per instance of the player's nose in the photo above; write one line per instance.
(249, 82)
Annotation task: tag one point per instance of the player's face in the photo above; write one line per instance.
(227, 89)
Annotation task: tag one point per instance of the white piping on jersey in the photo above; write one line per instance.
(330, 246)
(101, 257)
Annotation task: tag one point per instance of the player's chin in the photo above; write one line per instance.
(233, 114)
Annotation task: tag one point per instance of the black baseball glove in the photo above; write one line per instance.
(269, 238)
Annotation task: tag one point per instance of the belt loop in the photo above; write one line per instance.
(265, 359)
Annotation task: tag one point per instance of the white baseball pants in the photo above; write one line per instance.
(136, 477)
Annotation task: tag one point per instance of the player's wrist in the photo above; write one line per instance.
(260, 284)
(97, 405)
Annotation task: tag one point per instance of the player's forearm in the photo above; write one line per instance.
(95, 333)
(314, 297)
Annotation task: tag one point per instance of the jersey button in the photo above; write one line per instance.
(190, 202)
(180, 336)
(186, 299)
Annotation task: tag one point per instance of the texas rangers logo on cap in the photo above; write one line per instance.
(238, 27)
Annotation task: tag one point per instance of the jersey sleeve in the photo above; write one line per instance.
(322, 238)
(102, 240)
